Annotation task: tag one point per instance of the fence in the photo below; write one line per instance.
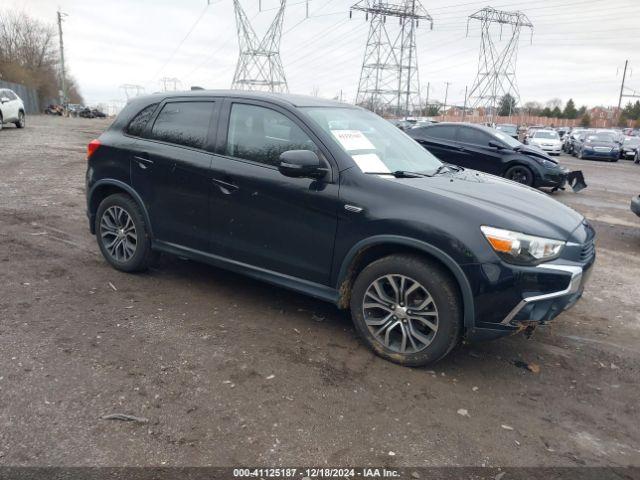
(28, 95)
(525, 120)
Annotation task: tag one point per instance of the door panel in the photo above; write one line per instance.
(259, 216)
(175, 182)
(170, 169)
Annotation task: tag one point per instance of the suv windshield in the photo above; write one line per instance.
(545, 134)
(374, 144)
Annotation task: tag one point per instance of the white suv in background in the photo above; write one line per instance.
(11, 108)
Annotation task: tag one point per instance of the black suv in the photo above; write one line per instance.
(333, 201)
(491, 151)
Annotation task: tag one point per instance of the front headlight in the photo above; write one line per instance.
(520, 248)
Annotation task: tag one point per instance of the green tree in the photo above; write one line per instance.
(546, 112)
(623, 120)
(507, 105)
(556, 112)
(581, 111)
(432, 110)
(570, 110)
(585, 121)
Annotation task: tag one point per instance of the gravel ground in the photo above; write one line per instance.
(230, 371)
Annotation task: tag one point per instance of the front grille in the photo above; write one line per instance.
(588, 250)
(602, 149)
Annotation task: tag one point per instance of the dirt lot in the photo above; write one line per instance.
(230, 371)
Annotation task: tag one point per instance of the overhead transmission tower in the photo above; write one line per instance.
(259, 66)
(496, 75)
(389, 81)
(169, 84)
(132, 90)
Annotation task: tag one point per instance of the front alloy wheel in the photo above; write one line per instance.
(520, 174)
(400, 313)
(407, 309)
(20, 123)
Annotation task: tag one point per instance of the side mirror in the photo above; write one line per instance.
(4, 99)
(301, 164)
(494, 144)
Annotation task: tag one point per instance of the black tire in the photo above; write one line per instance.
(143, 256)
(21, 121)
(1, 123)
(437, 283)
(520, 174)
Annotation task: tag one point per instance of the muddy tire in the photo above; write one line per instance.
(407, 309)
(122, 234)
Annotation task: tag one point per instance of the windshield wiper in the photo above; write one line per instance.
(400, 174)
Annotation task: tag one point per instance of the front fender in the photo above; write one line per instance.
(444, 258)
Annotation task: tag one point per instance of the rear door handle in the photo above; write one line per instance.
(143, 160)
(225, 187)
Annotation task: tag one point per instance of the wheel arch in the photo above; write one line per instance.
(379, 246)
(105, 187)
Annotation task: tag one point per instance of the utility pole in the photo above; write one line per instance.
(427, 102)
(63, 75)
(464, 110)
(624, 77)
(446, 94)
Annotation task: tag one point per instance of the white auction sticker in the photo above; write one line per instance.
(352, 140)
(370, 163)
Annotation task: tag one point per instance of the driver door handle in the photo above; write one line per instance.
(226, 187)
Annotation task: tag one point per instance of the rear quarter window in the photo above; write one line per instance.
(139, 122)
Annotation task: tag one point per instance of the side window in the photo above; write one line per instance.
(183, 123)
(262, 134)
(10, 95)
(443, 132)
(473, 136)
(139, 122)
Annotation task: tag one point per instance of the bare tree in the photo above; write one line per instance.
(28, 55)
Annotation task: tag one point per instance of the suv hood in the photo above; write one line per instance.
(495, 201)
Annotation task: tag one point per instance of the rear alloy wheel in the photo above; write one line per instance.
(20, 123)
(520, 174)
(407, 310)
(122, 234)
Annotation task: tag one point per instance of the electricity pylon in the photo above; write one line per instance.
(389, 81)
(259, 66)
(169, 84)
(496, 68)
(132, 90)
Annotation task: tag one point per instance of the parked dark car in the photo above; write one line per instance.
(509, 129)
(597, 145)
(635, 205)
(333, 201)
(491, 151)
(569, 142)
(630, 147)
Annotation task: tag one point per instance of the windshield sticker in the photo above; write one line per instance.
(352, 140)
(370, 163)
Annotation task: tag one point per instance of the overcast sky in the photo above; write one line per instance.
(578, 48)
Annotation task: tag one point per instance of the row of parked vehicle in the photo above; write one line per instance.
(74, 110)
(607, 144)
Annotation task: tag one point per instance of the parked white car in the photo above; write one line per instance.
(547, 140)
(11, 108)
